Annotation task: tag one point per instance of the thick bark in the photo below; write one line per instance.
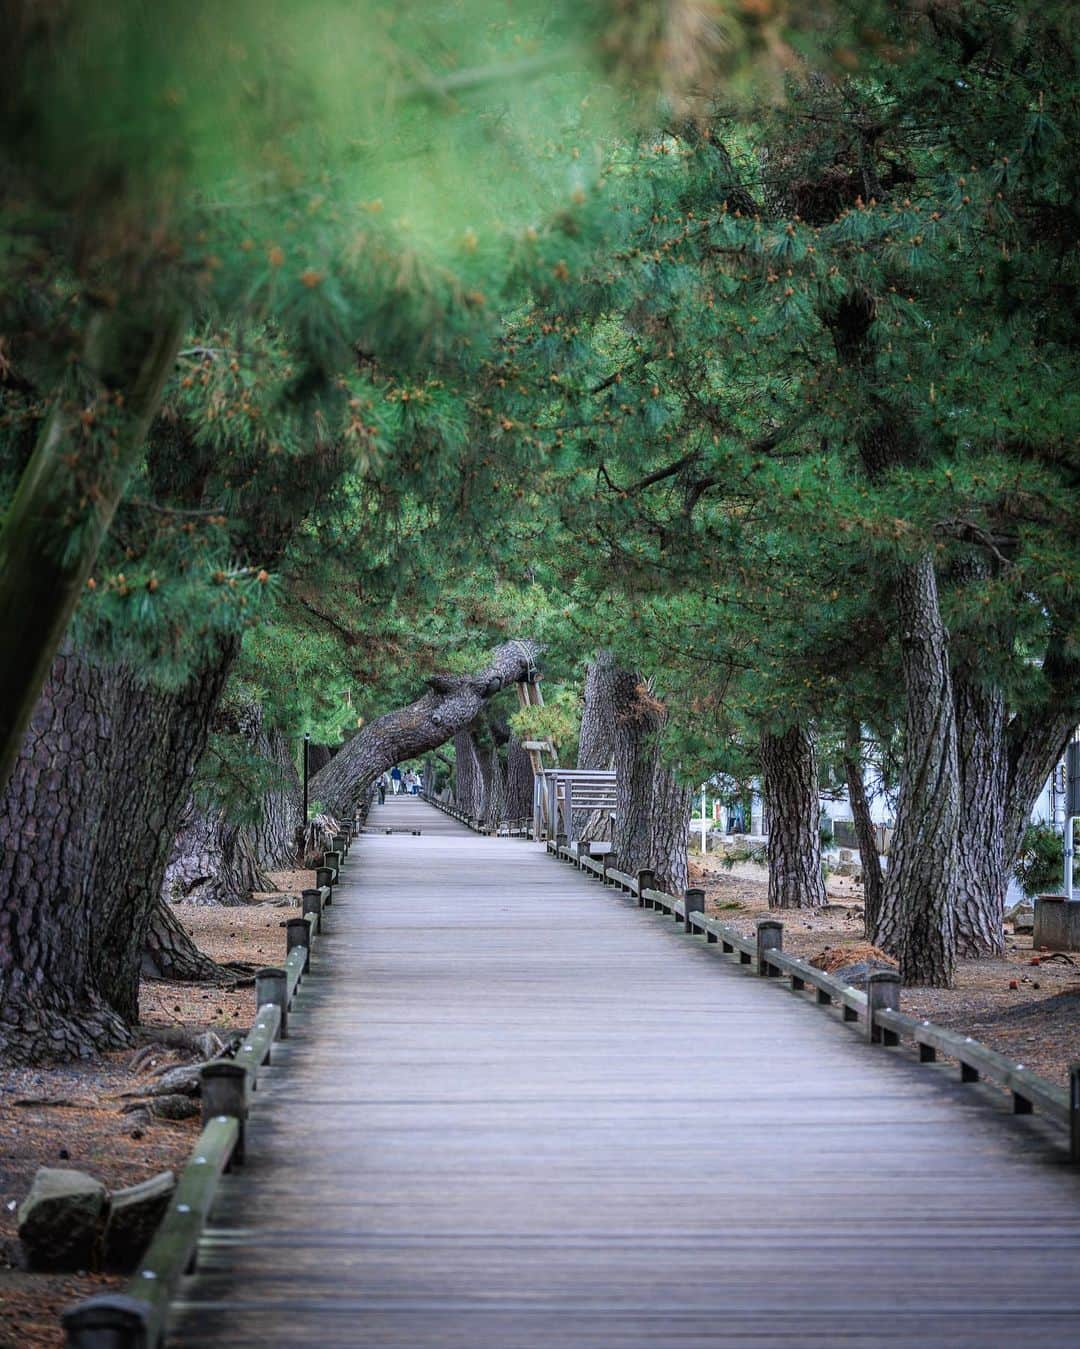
(469, 791)
(873, 878)
(652, 811)
(169, 953)
(789, 772)
(495, 800)
(670, 840)
(982, 872)
(596, 740)
(519, 782)
(214, 860)
(450, 705)
(917, 921)
(86, 824)
(276, 832)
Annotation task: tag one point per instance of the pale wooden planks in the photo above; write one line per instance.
(515, 1109)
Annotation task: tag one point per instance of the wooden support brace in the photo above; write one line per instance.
(711, 938)
(927, 1054)
(645, 881)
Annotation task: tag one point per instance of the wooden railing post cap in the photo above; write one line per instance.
(764, 924)
(107, 1321)
(270, 972)
(297, 928)
(883, 977)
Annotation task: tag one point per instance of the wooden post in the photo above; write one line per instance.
(271, 986)
(224, 1092)
(882, 993)
(297, 933)
(325, 876)
(695, 903)
(312, 903)
(770, 937)
(332, 859)
(1074, 1110)
(645, 879)
(107, 1321)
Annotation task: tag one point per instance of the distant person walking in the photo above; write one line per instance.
(395, 779)
(382, 785)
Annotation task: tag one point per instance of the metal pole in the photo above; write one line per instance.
(307, 746)
(1068, 840)
(704, 825)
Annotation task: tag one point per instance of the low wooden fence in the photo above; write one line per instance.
(135, 1318)
(877, 1009)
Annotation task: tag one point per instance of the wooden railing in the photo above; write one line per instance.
(877, 1009)
(135, 1318)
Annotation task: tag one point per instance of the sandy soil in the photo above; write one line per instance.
(84, 1126)
(1037, 1022)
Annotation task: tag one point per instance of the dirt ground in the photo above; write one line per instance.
(72, 1115)
(1037, 1023)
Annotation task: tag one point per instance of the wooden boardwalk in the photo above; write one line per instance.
(517, 1112)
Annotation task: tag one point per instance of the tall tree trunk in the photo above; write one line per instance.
(653, 812)
(51, 1006)
(873, 879)
(275, 834)
(468, 776)
(596, 740)
(495, 802)
(86, 824)
(982, 872)
(637, 718)
(450, 705)
(519, 782)
(917, 921)
(670, 838)
(789, 773)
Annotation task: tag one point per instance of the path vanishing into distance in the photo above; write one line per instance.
(517, 1112)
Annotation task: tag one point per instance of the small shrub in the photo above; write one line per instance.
(1039, 868)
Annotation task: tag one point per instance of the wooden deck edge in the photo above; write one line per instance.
(136, 1317)
(877, 1009)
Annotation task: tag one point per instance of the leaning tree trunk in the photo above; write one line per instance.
(86, 824)
(789, 773)
(169, 953)
(450, 705)
(869, 857)
(917, 921)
